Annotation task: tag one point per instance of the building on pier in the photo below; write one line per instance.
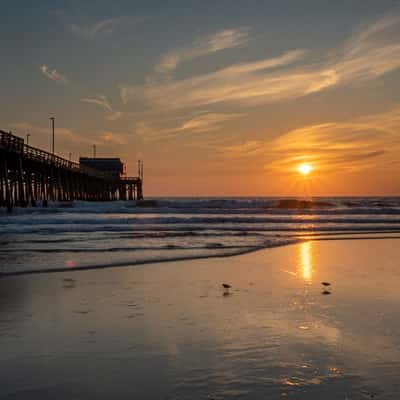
(112, 167)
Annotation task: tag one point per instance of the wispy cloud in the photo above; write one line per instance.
(226, 39)
(53, 75)
(65, 135)
(201, 123)
(331, 146)
(368, 54)
(69, 140)
(237, 82)
(103, 27)
(207, 122)
(102, 102)
(115, 115)
(90, 31)
(113, 138)
(349, 145)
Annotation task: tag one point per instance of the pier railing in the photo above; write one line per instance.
(10, 142)
(15, 144)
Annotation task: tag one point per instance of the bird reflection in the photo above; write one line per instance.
(306, 261)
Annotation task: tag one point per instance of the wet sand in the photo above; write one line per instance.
(170, 331)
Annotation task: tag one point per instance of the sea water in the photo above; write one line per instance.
(83, 235)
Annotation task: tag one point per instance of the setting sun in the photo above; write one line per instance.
(304, 169)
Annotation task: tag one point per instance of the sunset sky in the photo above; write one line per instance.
(219, 98)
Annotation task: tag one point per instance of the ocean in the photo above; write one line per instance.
(85, 235)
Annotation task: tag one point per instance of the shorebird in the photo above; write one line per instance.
(226, 289)
(325, 286)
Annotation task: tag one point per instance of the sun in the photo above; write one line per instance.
(304, 169)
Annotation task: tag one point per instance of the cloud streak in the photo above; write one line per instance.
(113, 138)
(225, 39)
(201, 123)
(53, 75)
(64, 134)
(368, 54)
(102, 102)
(207, 122)
(69, 140)
(102, 27)
(90, 31)
(231, 84)
(351, 145)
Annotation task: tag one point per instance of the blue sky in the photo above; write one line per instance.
(206, 92)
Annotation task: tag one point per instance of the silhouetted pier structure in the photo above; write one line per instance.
(30, 176)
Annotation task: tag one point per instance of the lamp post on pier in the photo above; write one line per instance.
(52, 119)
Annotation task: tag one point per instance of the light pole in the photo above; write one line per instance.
(140, 169)
(52, 119)
(69, 156)
(27, 138)
(94, 151)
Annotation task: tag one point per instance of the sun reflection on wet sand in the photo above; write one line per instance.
(306, 261)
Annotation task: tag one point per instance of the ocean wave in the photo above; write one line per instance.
(124, 249)
(53, 230)
(157, 257)
(209, 253)
(324, 205)
(96, 235)
(198, 220)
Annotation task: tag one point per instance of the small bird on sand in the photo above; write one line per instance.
(226, 287)
(326, 289)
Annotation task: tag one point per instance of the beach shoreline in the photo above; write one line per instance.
(286, 241)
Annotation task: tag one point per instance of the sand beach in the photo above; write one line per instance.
(170, 331)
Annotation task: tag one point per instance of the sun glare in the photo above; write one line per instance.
(304, 169)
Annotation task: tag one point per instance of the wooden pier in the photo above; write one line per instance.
(30, 176)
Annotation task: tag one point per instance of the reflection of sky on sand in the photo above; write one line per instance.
(166, 330)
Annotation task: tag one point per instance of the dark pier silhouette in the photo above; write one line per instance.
(30, 176)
